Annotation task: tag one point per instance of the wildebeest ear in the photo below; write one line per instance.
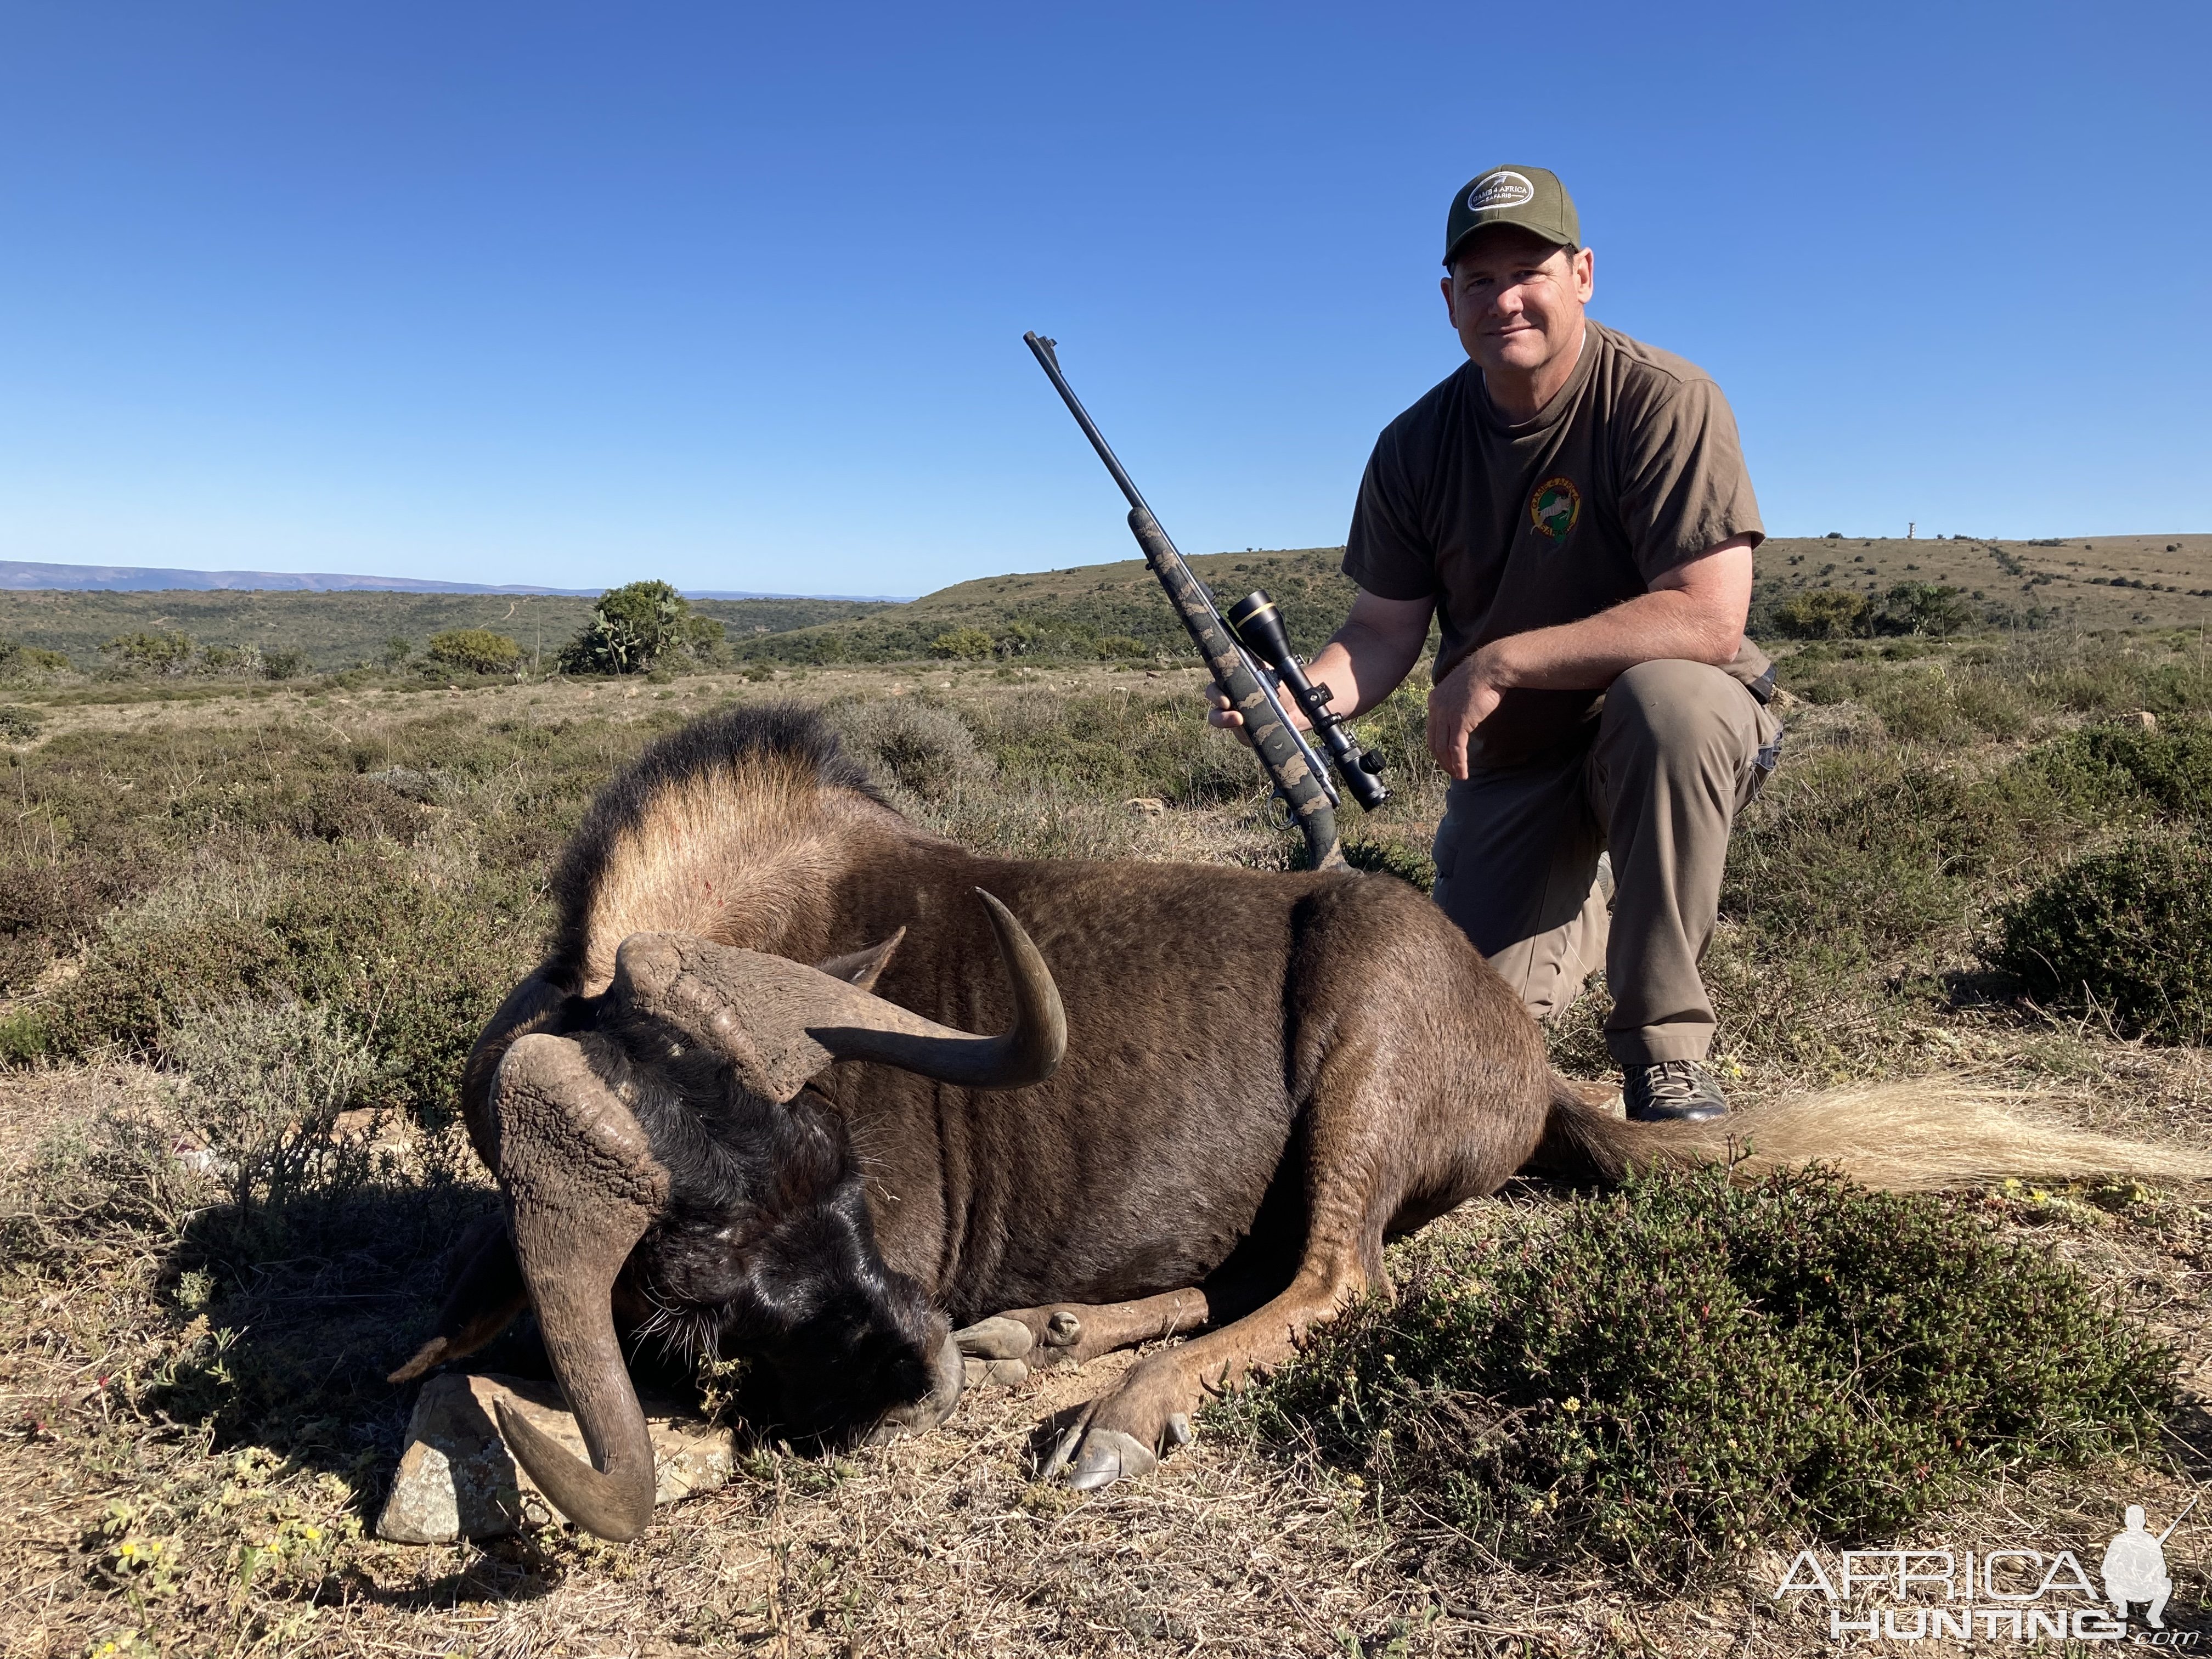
(863, 967)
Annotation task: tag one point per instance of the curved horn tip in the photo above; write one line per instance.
(606, 1506)
(1044, 1017)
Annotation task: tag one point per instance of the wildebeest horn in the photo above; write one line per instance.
(780, 1022)
(581, 1188)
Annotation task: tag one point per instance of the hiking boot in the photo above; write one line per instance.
(1671, 1092)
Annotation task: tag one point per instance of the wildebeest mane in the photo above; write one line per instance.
(738, 774)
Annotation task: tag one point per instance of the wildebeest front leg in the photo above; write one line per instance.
(1124, 1431)
(1066, 1336)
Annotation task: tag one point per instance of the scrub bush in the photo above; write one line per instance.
(267, 1081)
(2169, 768)
(472, 651)
(921, 748)
(2126, 934)
(1662, 1374)
(1824, 613)
(412, 966)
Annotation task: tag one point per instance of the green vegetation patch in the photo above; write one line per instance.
(472, 651)
(412, 966)
(640, 625)
(2125, 935)
(2169, 767)
(1659, 1377)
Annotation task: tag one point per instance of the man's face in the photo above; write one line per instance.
(1516, 300)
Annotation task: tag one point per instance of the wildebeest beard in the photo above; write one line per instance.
(765, 1251)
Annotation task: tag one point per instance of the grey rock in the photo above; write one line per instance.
(457, 1480)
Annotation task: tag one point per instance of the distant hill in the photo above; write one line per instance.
(1117, 609)
(2098, 581)
(17, 576)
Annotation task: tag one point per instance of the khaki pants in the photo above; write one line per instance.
(1679, 750)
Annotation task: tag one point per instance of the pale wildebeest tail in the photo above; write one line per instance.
(1920, 1136)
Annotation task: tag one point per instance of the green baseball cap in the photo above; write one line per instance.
(1530, 198)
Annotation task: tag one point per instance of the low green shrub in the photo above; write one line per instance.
(2169, 768)
(1409, 862)
(472, 651)
(18, 724)
(412, 965)
(1852, 855)
(1823, 613)
(22, 1037)
(1117, 745)
(18, 661)
(2124, 934)
(963, 645)
(266, 1082)
(1662, 1374)
(919, 746)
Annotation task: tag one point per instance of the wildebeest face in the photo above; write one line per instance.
(766, 1250)
(667, 1167)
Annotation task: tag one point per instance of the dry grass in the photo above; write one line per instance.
(165, 1386)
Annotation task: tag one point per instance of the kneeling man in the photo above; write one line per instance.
(1572, 507)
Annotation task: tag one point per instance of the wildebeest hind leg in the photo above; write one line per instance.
(1066, 1336)
(484, 1293)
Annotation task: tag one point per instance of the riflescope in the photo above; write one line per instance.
(1259, 628)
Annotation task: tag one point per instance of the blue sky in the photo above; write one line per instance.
(734, 296)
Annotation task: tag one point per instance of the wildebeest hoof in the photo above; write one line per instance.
(1179, 1429)
(995, 1373)
(998, 1338)
(1106, 1455)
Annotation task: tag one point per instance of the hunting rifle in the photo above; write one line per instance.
(1252, 631)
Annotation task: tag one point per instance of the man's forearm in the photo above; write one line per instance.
(1361, 666)
(1590, 654)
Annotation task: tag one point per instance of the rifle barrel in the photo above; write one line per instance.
(1042, 349)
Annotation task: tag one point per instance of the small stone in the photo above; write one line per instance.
(457, 1479)
(2145, 719)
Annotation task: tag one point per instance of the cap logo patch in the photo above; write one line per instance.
(1503, 189)
(1556, 509)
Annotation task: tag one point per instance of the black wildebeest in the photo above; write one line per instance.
(1216, 1094)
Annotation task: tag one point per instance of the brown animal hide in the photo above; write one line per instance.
(1264, 1076)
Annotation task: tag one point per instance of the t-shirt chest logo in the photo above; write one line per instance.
(1556, 509)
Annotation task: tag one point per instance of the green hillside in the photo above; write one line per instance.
(1110, 609)
(339, 631)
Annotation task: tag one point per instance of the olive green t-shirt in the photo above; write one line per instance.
(1632, 470)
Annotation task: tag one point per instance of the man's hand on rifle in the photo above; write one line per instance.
(1370, 653)
(1229, 720)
